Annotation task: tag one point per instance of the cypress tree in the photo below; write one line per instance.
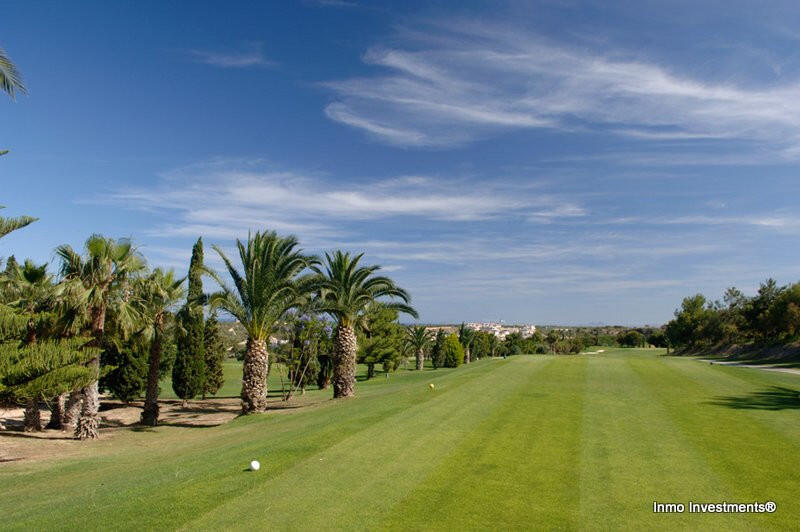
(188, 373)
(437, 353)
(214, 353)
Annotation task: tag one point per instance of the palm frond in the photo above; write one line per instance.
(346, 289)
(10, 78)
(8, 225)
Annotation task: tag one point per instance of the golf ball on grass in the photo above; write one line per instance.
(433, 387)
(254, 465)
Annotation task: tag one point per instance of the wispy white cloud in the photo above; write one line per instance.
(227, 198)
(451, 83)
(251, 56)
(449, 238)
(779, 221)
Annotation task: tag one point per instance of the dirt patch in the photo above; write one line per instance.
(117, 418)
(16, 444)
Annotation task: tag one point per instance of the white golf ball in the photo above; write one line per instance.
(254, 465)
(432, 386)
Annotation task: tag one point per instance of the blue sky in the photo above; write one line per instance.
(553, 162)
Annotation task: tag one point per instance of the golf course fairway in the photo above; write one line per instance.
(529, 442)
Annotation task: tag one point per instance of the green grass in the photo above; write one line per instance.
(232, 386)
(531, 442)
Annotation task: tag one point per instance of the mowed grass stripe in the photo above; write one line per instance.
(180, 473)
(633, 453)
(532, 442)
(516, 469)
(744, 453)
(771, 398)
(351, 484)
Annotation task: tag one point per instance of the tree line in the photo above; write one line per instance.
(107, 322)
(770, 317)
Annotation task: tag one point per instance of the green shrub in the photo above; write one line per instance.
(452, 352)
(632, 339)
(128, 378)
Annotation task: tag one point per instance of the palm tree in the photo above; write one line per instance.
(12, 224)
(494, 344)
(466, 336)
(10, 78)
(345, 291)
(418, 338)
(103, 274)
(158, 292)
(270, 284)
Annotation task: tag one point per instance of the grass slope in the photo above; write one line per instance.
(530, 442)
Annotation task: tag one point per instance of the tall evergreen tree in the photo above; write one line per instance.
(40, 371)
(188, 373)
(215, 355)
(158, 292)
(437, 352)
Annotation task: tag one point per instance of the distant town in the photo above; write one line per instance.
(499, 329)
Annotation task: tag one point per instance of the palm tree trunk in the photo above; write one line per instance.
(33, 421)
(370, 370)
(72, 410)
(31, 336)
(420, 359)
(150, 412)
(466, 356)
(57, 412)
(89, 422)
(254, 377)
(344, 365)
(323, 380)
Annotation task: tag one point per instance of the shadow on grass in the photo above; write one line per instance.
(148, 428)
(773, 398)
(36, 435)
(195, 411)
(106, 406)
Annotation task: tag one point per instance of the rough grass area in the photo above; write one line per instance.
(531, 442)
(778, 356)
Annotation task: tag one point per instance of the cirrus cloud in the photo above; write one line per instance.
(452, 83)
